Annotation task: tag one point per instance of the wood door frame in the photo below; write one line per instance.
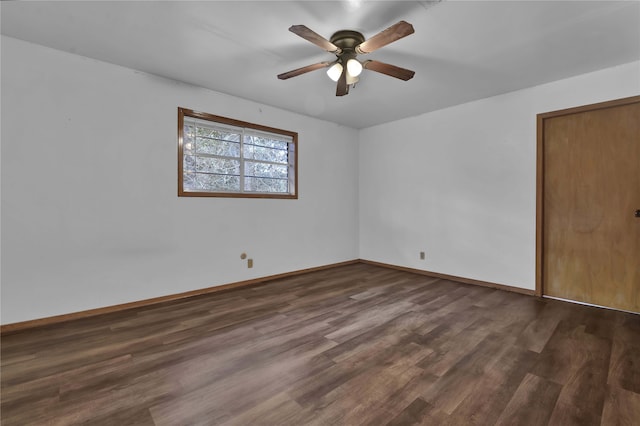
(540, 173)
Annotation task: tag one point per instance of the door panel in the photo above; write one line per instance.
(591, 237)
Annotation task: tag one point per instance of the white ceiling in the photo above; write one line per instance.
(461, 50)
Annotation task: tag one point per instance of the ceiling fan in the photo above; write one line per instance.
(347, 45)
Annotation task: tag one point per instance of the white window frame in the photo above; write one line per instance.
(243, 128)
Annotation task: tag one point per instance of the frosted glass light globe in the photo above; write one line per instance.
(354, 67)
(335, 71)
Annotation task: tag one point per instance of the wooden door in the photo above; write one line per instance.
(590, 249)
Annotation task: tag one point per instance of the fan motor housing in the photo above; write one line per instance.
(347, 39)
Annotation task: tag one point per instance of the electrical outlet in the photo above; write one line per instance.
(249, 263)
(422, 255)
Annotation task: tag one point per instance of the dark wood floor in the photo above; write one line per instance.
(352, 345)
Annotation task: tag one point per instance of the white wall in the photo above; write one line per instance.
(90, 212)
(459, 183)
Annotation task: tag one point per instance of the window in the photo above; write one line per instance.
(223, 157)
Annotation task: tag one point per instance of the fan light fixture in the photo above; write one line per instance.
(354, 68)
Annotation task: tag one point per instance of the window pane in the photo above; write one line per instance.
(224, 135)
(252, 184)
(189, 164)
(218, 165)
(217, 147)
(265, 154)
(215, 183)
(189, 182)
(187, 139)
(266, 142)
(265, 170)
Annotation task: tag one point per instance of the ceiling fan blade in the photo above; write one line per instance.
(315, 38)
(303, 70)
(391, 34)
(342, 88)
(388, 69)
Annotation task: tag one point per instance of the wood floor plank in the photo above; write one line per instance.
(490, 394)
(582, 396)
(412, 414)
(568, 351)
(352, 345)
(621, 407)
(624, 369)
(465, 375)
(532, 403)
(377, 338)
(375, 384)
(446, 354)
(536, 335)
(280, 409)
